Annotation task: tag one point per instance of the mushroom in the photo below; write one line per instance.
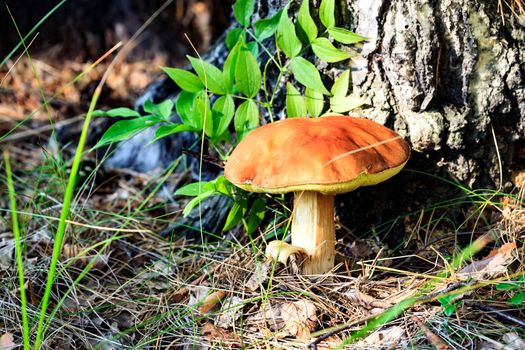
(316, 159)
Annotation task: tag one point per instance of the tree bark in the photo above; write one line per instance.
(448, 75)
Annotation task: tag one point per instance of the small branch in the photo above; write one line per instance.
(499, 313)
(431, 336)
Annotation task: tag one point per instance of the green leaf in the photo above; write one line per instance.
(121, 112)
(184, 107)
(223, 186)
(265, 28)
(342, 104)
(508, 286)
(195, 188)
(234, 36)
(162, 110)
(229, 66)
(326, 51)
(209, 75)
(187, 81)
(253, 47)
(223, 109)
(295, 102)
(203, 114)
(327, 13)
(246, 118)
(306, 73)
(195, 201)
(517, 299)
(166, 130)
(344, 36)
(235, 215)
(243, 11)
(256, 215)
(124, 129)
(286, 38)
(247, 73)
(314, 102)
(449, 309)
(341, 83)
(305, 21)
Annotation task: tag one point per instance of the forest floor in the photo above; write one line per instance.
(120, 285)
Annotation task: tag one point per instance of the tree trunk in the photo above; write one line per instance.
(445, 74)
(449, 75)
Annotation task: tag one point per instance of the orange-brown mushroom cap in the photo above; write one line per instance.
(332, 154)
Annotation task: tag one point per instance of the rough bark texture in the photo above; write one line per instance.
(446, 74)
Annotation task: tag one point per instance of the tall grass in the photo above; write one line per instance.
(18, 249)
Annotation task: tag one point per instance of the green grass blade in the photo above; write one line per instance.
(39, 23)
(18, 248)
(63, 218)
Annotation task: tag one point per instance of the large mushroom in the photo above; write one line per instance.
(316, 159)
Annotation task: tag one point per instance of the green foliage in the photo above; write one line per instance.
(210, 76)
(286, 37)
(306, 23)
(247, 73)
(295, 103)
(327, 13)
(517, 290)
(344, 36)
(307, 74)
(243, 11)
(326, 51)
(449, 304)
(266, 27)
(133, 122)
(214, 101)
(186, 80)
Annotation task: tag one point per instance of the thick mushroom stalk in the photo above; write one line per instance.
(313, 230)
(313, 233)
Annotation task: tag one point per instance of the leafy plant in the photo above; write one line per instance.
(215, 100)
(516, 288)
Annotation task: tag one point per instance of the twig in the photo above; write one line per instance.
(342, 328)
(431, 336)
(181, 293)
(499, 313)
(43, 129)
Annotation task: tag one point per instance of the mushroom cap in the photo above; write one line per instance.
(331, 155)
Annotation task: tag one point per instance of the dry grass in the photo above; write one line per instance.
(146, 292)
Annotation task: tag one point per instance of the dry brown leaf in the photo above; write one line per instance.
(300, 318)
(269, 317)
(7, 342)
(373, 305)
(74, 251)
(295, 319)
(388, 338)
(513, 341)
(331, 342)
(259, 276)
(220, 336)
(211, 301)
(7, 249)
(233, 310)
(492, 265)
(518, 178)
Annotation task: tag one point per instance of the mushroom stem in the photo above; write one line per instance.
(313, 229)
